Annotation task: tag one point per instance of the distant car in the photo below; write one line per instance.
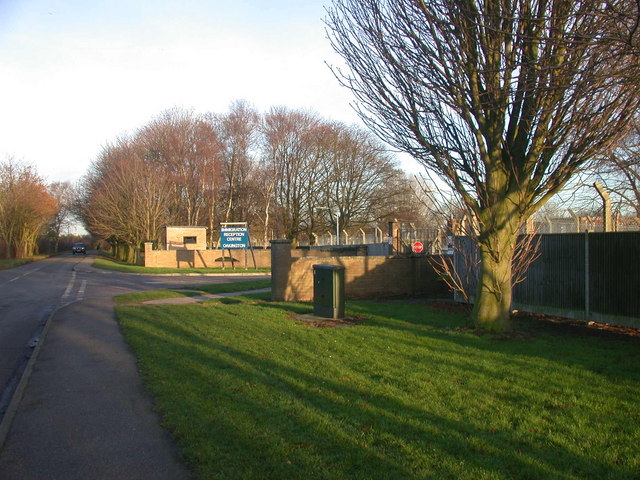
(79, 248)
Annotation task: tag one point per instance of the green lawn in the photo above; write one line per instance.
(139, 297)
(252, 393)
(108, 264)
(234, 287)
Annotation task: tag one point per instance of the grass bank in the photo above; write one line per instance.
(16, 262)
(113, 265)
(250, 392)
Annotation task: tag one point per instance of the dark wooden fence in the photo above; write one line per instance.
(589, 276)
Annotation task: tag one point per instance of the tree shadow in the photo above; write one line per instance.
(340, 428)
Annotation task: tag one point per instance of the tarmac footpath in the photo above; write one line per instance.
(83, 412)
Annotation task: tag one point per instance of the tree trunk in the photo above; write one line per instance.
(492, 307)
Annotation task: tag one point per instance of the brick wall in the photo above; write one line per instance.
(175, 236)
(202, 258)
(183, 258)
(365, 277)
(292, 271)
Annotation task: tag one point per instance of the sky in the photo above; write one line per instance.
(76, 74)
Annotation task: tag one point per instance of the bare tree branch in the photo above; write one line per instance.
(505, 101)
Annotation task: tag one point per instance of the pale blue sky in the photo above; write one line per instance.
(78, 73)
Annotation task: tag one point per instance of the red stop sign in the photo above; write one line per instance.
(417, 247)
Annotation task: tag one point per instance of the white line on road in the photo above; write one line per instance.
(70, 285)
(24, 274)
(83, 287)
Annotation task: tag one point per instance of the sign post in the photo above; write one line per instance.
(234, 236)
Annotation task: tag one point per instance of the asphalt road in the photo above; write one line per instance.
(28, 295)
(84, 413)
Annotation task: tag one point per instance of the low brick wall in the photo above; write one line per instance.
(365, 277)
(203, 258)
(184, 258)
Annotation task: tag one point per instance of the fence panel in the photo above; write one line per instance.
(591, 276)
(614, 279)
(556, 278)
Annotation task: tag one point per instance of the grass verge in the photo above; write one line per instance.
(234, 287)
(16, 262)
(139, 297)
(108, 264)
(250, 392)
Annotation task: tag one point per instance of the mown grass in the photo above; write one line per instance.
(113, 265)
(234, 287)
(251, 298)
(252, 393)
(16, 262)
(139, 297)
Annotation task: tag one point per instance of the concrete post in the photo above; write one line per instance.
(606, 206)
(280, 267)
(379, 235)
(530, 227)
(148, 255)
(576, 219)
(392, 237)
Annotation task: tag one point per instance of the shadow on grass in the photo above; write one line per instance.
(610, 354)
(570, 343)
(295, 422)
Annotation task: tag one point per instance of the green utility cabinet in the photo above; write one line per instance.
(328, 291)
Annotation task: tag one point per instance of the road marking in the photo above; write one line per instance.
(70, 285)
(24, 275)
(83, 287)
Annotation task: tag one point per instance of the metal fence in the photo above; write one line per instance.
(590, 276)
(433, 239)
(359, 236)
(578, 224)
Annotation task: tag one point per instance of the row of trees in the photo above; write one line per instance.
(29, 209)
(288, 173)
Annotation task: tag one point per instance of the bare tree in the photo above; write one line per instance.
(64, 195)
(126, 199)
(621, 174)
(505, 101)
(237, 133)
(184, 147)
(322, 174)
(292, 158)
(26, 208)
(359, 174)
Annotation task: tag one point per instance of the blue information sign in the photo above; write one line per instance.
(234, 237)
